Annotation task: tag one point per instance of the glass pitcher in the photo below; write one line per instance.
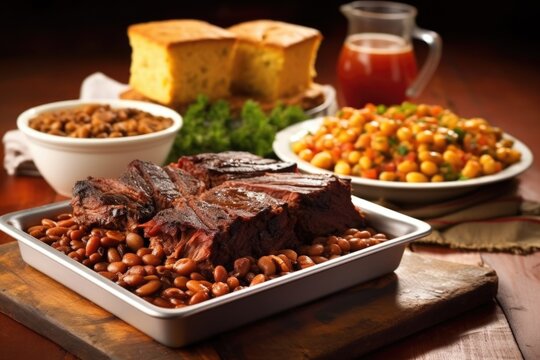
(377, 63)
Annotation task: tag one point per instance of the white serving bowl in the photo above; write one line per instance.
(64, 160)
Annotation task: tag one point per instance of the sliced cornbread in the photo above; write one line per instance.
(274, 59)
(174, 61)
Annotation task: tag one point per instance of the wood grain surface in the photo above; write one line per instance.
(422, 292)
(473, 78)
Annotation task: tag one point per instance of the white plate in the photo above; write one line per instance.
(400, 192)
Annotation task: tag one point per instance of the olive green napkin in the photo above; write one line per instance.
(492, 218)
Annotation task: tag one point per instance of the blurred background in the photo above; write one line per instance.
(62, 28)
(50, 46)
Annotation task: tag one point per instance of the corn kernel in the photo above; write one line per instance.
(322, 160)
(425, 137)
(437, 178)
(388, 127)
(451, 157)
(363, 141)
(404, 133)
(380, 143)
(342, 168)
(439, 140)
(491, 167)
(357, 120)
(430, 156)
(371, 127)
(472, 169)
(407, 166)
(354, 157)
(298, 146)
(306, 154)
(387, 176)
(428, 168)
(365, 163)
(415, 176)
(486, 158)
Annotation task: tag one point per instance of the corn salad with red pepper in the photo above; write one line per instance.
(407, 142)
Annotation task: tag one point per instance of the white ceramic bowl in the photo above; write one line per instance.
(64, 160)
(393, 191)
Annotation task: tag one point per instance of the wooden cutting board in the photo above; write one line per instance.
(419, 294)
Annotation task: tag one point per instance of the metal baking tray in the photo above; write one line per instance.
(178, 327)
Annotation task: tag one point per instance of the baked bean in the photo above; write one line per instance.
(358, 244)
(233, 282)
(143, 251)
(220, 274)
(151, 277)
(149, 288)
(62, 241)
(97, 232)
(109, 275)
(101, 266)
(92, 245)
(134, 241)
(47, 240)
(162, 302)
(38, 230)
(94, 258)
(315, 250)
(281, 263)
(304, 261)
(113, 255)
(238, 288)
(332, 240)
(196, 285)
(291, 254)
(116, 235)
(288, 263)
(199, 297)
(76, 244)
(180, 282)
(56, 231)
(117, 267)
(241, 267)
(48, 223)
(319, 259)
(67, 223)
(87, 262)
(267, 265)
(257, 280)
(220, 289)
(75, 256)
(333, 249)
(379, 236)
(76, 234)
(64, 216)
(133, 279)
(173, 293)
(351, 231)
(185, 266)
(344, 245)
(364, 234)
(151, 259)
(109, 242)
(131, 259)
(150, 269)
(137, 269)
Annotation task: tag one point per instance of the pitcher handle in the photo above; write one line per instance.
(434, 42)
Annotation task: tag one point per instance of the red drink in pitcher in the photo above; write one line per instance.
(376, 68)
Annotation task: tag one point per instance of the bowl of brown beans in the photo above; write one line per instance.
(71, 140)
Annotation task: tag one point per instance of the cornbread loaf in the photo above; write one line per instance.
(274, 59)
(173, 61)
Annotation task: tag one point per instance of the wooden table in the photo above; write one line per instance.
(473, 80)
